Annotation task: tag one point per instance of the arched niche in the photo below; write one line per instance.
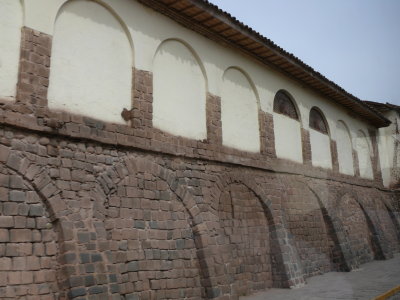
(364, 155)
(319, 139)
(11, 22)
(91, 63)
(344, 149)
(239, 112)
(287, 127)
(179, 102)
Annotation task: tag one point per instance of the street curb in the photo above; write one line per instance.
(388, 293)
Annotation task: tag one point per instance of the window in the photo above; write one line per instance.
(317, 121)
(283, 104)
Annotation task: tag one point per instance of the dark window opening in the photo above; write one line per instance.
(283, 104)
(317, 121)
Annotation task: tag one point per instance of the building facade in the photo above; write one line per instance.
(158, 149)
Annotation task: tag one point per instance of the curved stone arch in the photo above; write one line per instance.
(108, 63)
(108, 180)
(69, 233)
(395, 216)
(289, 269)
(334, 224)
(382, 207)
(38, 181)
(378, 241)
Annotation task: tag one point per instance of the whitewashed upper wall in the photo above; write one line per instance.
(179, 87)
(239, 112)
(91, 63)
(344, 148)
(389, 157)
(11, 20)
(148, 30)
(287, 132)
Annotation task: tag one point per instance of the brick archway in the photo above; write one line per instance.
(152, 224)
(331, 201)
(286, 268)
(77, 253)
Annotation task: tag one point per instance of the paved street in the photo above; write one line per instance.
(368, 282)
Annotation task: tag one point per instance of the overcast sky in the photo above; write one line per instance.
(355, 43)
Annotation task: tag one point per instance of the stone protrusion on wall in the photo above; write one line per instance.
(214, 124)
(376, 168)
(142, 106)
(334, 154)
(267, 135)
(34, 68)
(306, 146)
(356, 164)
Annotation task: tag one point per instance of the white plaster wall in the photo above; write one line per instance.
(239, 113)
(364, 155)
(287, 133)
(179, 102)
(320, 149)
(91, 63)
(386, 145)
(149, 29)
(344, 149)
(11, 20)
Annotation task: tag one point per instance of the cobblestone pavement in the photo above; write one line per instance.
(368, 282)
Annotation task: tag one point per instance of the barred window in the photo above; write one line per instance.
(283, 104)
(317, 121)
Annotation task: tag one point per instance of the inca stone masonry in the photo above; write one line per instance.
(159, 149)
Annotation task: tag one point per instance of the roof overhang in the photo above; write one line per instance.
(217, 25)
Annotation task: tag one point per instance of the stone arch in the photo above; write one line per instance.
(157, 222)
(387, 221)
(364, 155)
(355, 249)
(77, 250)
(104, 64)
(367, 246)
(179, 102)
(344, 148)
(239, 111)
(286, 269)
(11, 22)
(32, 234)
(311, 228)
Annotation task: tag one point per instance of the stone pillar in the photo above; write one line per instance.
(376, 167)
(214, 124)
(34, 68)
(356, 164)
(306, 146)
(334, 154)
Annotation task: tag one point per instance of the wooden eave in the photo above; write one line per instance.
(217, 25)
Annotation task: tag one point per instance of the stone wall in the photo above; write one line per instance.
(92, 210)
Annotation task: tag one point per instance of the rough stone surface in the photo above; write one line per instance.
(91, 210)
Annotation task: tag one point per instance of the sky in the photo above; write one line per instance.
(354, 43)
